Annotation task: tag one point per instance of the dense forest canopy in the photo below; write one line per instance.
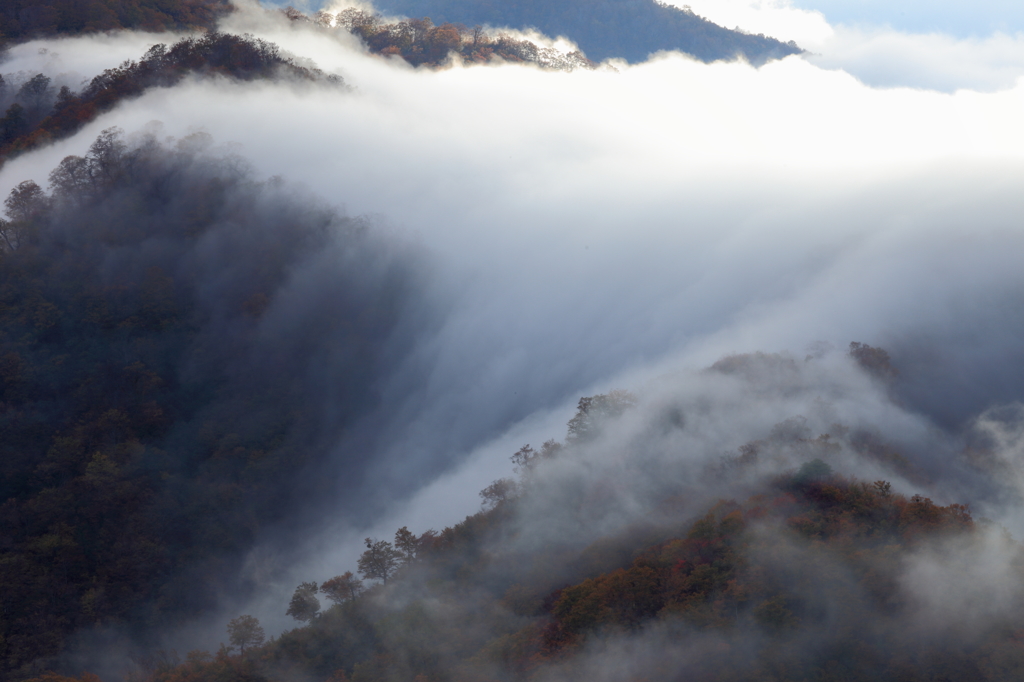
(180, 347)
(606, 29)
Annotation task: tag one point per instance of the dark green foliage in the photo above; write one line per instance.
(179, 347)
(628, 29)
(812, 471)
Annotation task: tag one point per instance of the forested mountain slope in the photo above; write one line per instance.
(170, 333)
(37, 113)
(22, 20)
(627, 29)
(419, 42)
(180, 346)
(811, 578)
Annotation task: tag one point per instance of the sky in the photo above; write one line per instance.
(610, 228)
(936, 45)
(944, 16)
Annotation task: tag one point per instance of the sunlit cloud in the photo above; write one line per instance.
(882, 53)
(776, 18)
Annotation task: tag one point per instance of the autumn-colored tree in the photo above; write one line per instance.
(56, 677)
(342, 588)
(419, 42)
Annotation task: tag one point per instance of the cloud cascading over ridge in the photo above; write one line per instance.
(597, 229)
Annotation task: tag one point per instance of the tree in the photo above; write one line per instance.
(812, 471)
(497, 492)
(526, 458)
(407, 545)
(245, 631)
(35, 94)
(342, 588)
(26, 201)
(592, 412)
(523, 460)
(379, 561)
(874, 361)
(304, 605)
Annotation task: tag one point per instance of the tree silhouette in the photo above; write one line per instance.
(342, 588)
(379, 561)
(875, 361)
(245, 631)
(592, 412)
(497, 492)
(304, 605)
(406, 545)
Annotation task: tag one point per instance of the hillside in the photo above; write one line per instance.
(805, 580)
(170, 383)
(37, 113)
(22, 20)
(626, 29)
(159, 308)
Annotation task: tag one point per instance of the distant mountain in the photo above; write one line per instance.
(22, 20)
(629, 29)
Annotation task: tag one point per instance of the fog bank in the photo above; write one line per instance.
(601, 229)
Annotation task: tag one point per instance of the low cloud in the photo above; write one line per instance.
(603, 229)
(882, 57)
